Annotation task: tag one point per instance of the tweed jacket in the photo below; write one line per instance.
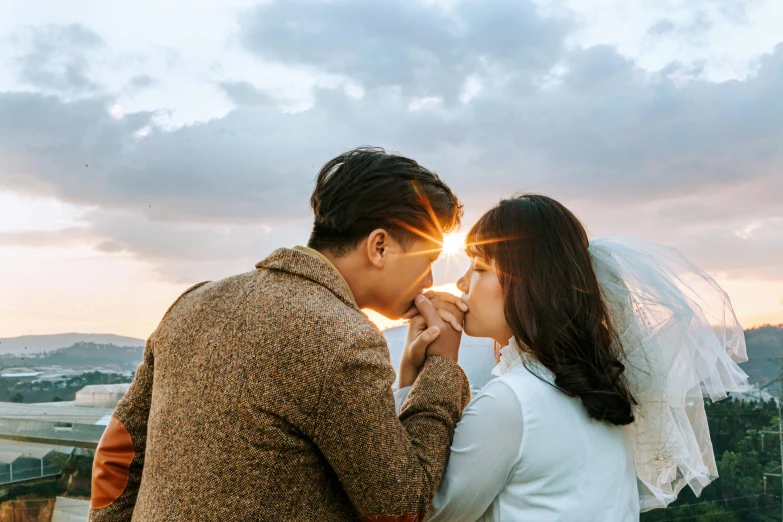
(268, 396)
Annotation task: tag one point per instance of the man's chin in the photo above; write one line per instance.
(397, 314)
(392, 315)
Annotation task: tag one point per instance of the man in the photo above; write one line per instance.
(267, 395)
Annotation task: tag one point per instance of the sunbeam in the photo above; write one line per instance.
(454, 243)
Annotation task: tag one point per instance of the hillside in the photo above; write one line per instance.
(765, 345)
(29, 344)
(80, 355)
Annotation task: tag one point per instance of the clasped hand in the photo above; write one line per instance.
(435, 329)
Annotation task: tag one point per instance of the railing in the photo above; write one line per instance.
(18, 474)
(52, 441)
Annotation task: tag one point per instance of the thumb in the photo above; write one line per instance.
(427, 310)
(425, 338)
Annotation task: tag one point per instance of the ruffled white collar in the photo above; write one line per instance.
(510, 357)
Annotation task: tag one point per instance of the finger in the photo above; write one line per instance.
(427, 310)
(418, 322)
(451, 308)
(450, 319)
(425, 338)
(410, 312)
(453, 299)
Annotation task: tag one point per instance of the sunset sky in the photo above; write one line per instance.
(146, 146)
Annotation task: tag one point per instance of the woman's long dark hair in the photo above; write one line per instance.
(553, 302)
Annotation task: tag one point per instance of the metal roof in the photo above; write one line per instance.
(28, 449)
(53, 411)
(105, 388)
(6, 457)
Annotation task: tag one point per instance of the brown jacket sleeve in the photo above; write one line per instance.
(390, 466)
(119, 459)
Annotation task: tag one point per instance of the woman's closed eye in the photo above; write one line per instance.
(481, 266)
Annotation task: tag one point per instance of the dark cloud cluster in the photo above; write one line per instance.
(421, 49)
(583, 124)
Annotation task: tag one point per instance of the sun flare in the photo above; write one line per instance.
(453, 243)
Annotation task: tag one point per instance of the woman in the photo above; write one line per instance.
(589, 418)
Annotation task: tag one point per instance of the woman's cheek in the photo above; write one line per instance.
(477, 310)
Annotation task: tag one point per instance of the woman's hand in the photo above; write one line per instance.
(451, 308)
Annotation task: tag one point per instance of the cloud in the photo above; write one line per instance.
(64, 237)
(683, 161)
(56, 58)
(420, 48)
(141, 81)
(736, 10)
(664, 26)
(739, 255)
(245, 93)
(692, 31)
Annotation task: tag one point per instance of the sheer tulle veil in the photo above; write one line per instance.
(681, 342)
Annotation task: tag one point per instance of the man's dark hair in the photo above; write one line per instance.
(367, 188)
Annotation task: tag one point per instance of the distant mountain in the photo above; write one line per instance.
(765, 346)
(29, 344)
(80, 355)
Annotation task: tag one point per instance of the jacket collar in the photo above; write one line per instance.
(323, 258)
(302, 264)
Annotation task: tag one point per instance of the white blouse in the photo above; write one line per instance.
(524, 450)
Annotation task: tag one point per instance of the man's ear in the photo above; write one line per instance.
(376, 245)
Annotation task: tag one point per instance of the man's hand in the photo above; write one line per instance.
(430, 321)
(419, 337)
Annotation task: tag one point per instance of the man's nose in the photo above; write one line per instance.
(428, 280)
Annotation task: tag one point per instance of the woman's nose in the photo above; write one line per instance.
(463, 283)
